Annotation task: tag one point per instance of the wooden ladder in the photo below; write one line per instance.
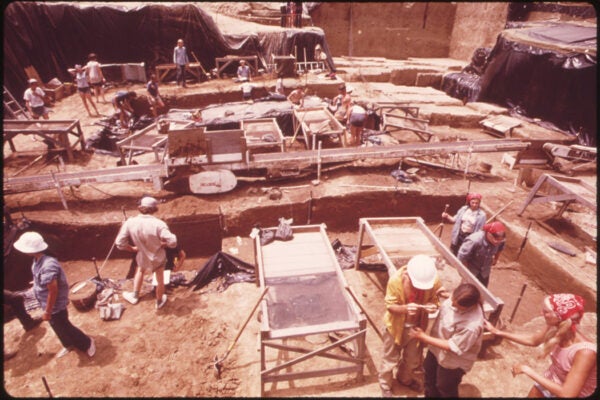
(12, 108)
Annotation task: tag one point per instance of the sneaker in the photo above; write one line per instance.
(162, 302)
(130, 297)
(63, 352)
(92, 350)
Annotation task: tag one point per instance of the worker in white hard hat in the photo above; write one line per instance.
(51, 290)
(413, 292)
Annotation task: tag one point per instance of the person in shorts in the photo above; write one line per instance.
(83, 88)
(34, 100)
(96, 77)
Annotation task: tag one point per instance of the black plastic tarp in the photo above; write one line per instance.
(53, 37)
(221, 264)
(544, 81)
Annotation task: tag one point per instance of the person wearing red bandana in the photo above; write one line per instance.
(481, 250)
(468, 219)
(572, 372)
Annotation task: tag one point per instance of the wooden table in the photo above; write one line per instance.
(223, 62)
(193, 68)
(55, 132)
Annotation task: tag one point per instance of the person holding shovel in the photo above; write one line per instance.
(469, 218)
(150, 237)
(573, 371)
(51, 290)
(412, 293)
(481, 250)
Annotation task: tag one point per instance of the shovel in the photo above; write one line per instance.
(218, 363)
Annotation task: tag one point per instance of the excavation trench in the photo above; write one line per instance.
(202, 234)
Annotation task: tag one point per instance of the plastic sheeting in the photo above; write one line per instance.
(533, 71)
(222, 264)
(55, 36)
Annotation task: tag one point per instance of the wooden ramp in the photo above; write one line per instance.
(307, 295)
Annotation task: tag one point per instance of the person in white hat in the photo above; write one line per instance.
(34, 100)
(51, 290)
(455, 340)
(149, 236)
(412, 293)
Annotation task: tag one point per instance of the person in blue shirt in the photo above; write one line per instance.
(51, 290)
(243, 72)
(481, 250)
(180, 59)
(153, 95)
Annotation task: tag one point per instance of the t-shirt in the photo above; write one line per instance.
(468, 221)
(152, 88)
(246, 88)
(35, 98)
(243, 72)
(93, 68)
(45, 270)
(81, 80)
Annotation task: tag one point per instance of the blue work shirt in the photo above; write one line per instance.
(477, 254)
(180, 56)
(45, 270)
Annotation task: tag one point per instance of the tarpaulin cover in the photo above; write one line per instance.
(53, 37)
(223, 264)
(534, 70)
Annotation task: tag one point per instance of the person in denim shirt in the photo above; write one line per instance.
(468, 219)
(481, 250)
(51, 290)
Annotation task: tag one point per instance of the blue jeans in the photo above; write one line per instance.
(440, 381)
(68, 334)
(181, 74)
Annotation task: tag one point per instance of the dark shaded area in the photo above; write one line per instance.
(554, 85)
(53, 37)
(222, 264)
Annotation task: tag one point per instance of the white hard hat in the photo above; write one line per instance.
(32, 80)
(30, 243)
(421, 271)
(148, 201)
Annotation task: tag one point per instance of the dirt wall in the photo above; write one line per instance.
(487, 20)
(392, 30)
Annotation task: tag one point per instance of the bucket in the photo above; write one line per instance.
(84, 298)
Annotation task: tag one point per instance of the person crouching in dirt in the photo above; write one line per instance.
(51, 290)
(573, 371)
(412, 293)
(455, 341)
(122, 104)
(481, 250)
(153, 95)
(341, 103)
(468, 219)
(150, 236)
(83, 88)
(356, 119)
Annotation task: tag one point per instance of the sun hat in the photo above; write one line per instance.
(421, 271)
(32, 80)
(30, 243)
(148, 201)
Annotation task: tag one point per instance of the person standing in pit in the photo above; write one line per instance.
(34, 100)
(96, 76)
(481, 250)
(153, 95)
(469, 218)
(51, 290)
(83, 88)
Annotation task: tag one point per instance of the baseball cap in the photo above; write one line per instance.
(149, 202)
(30, 243)
(421, 271)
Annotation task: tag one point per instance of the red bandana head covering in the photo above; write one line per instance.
(568, 306)
(472, 196)
(494, 228)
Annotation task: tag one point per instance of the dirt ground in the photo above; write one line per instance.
(170, 352)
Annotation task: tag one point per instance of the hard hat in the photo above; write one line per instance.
(149, 202)
(32, 80)
(421, 271)
(30, 243)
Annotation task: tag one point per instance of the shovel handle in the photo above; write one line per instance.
(264, 292)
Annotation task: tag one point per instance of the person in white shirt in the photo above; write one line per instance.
(243, 72)
(150, 237)
(180, 59)
(83, 87)
(34, 100)
(97, 79)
